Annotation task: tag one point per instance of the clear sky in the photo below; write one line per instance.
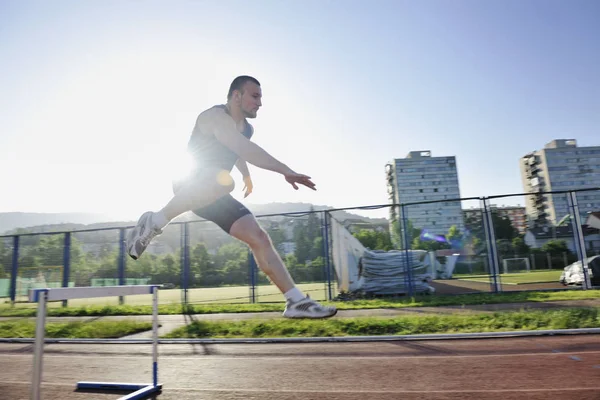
(98, 98)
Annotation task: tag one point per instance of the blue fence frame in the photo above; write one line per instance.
(492, 253)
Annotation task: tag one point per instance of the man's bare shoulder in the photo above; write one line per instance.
(211, 119)
(212, 114)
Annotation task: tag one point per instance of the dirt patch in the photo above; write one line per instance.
(456, 286)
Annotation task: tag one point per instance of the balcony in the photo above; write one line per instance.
(533, 160)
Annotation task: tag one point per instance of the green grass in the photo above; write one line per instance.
(220, 295)
(496, 322)
(519, 278)
(420, 301)
(82, 330)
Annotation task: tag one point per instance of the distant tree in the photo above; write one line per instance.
(303, 243)
(374, 240)
(555, 247)
(503, 228)
(454, 237)
(519, 246)
(313, 225)
(277, 236)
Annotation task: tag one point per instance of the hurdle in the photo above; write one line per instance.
(43, 296)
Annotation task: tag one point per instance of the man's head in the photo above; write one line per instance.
(245, 94)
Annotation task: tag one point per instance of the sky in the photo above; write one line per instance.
(98, 98)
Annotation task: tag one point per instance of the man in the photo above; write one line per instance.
(220, 140)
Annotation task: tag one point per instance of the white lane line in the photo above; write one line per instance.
(166, 387)
(292, 356)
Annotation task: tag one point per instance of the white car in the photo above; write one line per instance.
(573, 273)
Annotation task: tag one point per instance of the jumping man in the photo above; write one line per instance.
(221, 139)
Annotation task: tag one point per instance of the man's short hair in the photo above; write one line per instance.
(239, 82)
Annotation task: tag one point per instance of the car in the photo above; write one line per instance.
(573, 273)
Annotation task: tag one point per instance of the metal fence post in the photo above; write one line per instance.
(186, 262)
(182, 263)
(327, 261)
(408, 281)
(14, 270)
(488, 226)
(252, 276)
(121, 262)
(67, 263)
(579, 239)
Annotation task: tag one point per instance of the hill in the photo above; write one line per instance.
(52, 222)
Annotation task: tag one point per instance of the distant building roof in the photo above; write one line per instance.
(593, 219)
(561, 231)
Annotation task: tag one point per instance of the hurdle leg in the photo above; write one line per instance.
(155, 336)
(38, 354)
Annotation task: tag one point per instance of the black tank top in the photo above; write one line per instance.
(208, 152)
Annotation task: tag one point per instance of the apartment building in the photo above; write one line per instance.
(560, 165)
(418, 178)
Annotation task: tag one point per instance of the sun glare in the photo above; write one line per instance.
(181, 165)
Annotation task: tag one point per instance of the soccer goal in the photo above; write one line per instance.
(515, 265)
(44, 295)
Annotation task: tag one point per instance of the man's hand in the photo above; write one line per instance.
(248, 186)
(293, 178)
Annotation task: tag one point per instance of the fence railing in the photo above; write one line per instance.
(206, 265)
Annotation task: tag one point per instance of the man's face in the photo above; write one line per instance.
(251, 99)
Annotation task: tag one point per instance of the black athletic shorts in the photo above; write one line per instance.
(223, 212)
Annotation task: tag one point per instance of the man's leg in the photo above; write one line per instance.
(196, 192)
(249, 231)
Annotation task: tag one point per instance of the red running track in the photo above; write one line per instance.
(552, 367)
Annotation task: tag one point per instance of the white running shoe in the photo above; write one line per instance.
(140, 237)
(308, 308)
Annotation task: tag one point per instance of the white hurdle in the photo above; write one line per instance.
(43, 296)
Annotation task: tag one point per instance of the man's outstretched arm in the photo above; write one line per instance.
(223, 128)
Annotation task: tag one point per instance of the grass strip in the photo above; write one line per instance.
(71, 330)
(419, 301)
(494, 322)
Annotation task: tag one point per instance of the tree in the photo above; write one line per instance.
(555, 247)
(313, 226)
(519, 246)
(277, 236)
(504, 247)
(503, 228)
(454, 237)
(168, 272)
(201, 265)
(5, 259)
(303, 244)
(374, 240)
(317, 248)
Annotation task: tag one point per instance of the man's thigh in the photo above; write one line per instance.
(224, 212)
(211, 179)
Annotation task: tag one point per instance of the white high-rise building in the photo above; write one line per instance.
(420, 178)
(560, 165)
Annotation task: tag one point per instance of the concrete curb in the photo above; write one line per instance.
(476, 335)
